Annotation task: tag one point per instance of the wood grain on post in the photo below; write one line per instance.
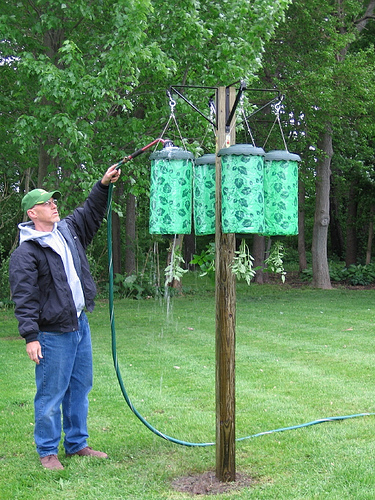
(225, 312)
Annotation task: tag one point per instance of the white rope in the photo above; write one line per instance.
(212, 115)
(165, 128)
(248, 127)
(172, 104)
(282, 133)
(277, 119)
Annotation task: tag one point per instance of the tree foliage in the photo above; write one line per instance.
(323, 60)
(84, 82)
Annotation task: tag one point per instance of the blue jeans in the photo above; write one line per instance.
(63, 379)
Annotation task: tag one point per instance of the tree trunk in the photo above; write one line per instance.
(130, 238)
(321, 278)
(258, 253)
(351, 230)
(189, 250)
(176, 245)
(301, 227)
(116, 233)
(53, 40)
(27, 189)
(116, 243)
(370, 235)
(44, 160)
(335, 230)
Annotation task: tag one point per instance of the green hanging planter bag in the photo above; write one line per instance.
(281, 193)
(171, 191)
(204, 193)
(242, 189)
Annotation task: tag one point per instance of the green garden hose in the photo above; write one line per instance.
(113, 330)
(118, 372)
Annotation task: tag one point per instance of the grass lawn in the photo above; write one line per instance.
(302, 355)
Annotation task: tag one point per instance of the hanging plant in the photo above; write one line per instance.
(275, 262)
(206, 260)
(174, 271)
(242, 265)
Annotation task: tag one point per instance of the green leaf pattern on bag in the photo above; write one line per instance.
(242, 194)
(204, 199)
(281, 197)
(171, 196)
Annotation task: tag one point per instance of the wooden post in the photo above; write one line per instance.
(225, 311)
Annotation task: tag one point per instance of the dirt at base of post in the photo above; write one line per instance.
(208, 484)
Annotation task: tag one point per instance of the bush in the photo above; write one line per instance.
(5, 300)
(359, 274)
(133, 286)
(352, 275)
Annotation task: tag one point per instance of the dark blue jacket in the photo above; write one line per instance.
(38, 282)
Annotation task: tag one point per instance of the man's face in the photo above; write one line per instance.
(44, 215)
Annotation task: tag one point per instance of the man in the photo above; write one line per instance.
(51, 286)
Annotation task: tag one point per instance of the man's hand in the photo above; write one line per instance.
(112, 175)
(34, 351)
